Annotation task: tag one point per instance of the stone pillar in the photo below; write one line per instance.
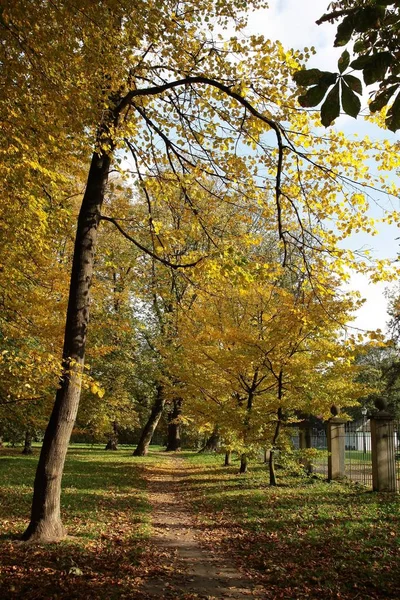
(336, 448)
(383, 452)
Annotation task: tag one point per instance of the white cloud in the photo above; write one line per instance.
(293, 23)
(373, 313)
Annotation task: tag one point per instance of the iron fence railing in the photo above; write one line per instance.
(358, 451)
(358, 455)
(396, 435)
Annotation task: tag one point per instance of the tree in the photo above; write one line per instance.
(256, 353)
(112, 343)
(35, 246)
(107, 77)
(165, 292)
(373, 25)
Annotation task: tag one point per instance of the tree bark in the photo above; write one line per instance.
(174, 427)
(151, 425)
(243, 463)
(272, 474)
(112, 443)
(27, 443)
(45, 524)
(212, 442)
(228, 458)
(271, 464)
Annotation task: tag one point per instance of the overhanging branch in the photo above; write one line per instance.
(162, 260)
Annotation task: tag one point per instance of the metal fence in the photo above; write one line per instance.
(396, 436)
(358, 454)
(319, 442)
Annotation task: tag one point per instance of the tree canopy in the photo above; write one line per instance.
(223, 179)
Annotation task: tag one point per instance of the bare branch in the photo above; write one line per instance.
(162, 260)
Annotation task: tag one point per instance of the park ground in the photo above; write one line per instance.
(184, 526)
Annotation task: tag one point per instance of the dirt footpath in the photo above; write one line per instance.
(188, 570)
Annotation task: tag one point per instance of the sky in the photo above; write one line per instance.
(293, 23)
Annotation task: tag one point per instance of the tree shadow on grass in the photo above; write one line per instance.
(108, 570)
(105, 513)
(310, 541)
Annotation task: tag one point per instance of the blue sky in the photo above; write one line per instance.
(293, 23)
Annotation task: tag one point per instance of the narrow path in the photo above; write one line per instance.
(188, 571)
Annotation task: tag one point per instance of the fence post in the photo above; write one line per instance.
(383, 452)
(336, 448)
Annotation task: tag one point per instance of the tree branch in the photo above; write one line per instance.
(164, 261)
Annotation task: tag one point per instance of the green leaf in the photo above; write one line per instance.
(360, 62)
(344, 31)
(368, 18)
(330, 109)
(376, 67)
(308, 77)
(343, 61)
(393, 115)
(354, 83)
(350, 102)
(382, 98)
(328, 78)
(360, 46)
(313, 96)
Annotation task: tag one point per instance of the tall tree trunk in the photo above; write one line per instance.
(112, 443)
(243, 463)
(45, 524)
(151, 425)
(27, 443)
(174, 427)
(228, 458)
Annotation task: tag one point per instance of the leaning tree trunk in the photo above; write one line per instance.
(112, 443)
(151, 425)
(243, 463)
(271, 464)
(174, 428)
(27, 443)
(45, 524)
(212, 442)
(228, 458)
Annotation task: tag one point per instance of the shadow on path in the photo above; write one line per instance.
(188, 570)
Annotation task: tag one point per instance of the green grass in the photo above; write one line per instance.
(304, 539)
(358, 456)
(106, 514)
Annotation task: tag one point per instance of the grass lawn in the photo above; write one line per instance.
(304, 539)
(105, 512)
(358, 456)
